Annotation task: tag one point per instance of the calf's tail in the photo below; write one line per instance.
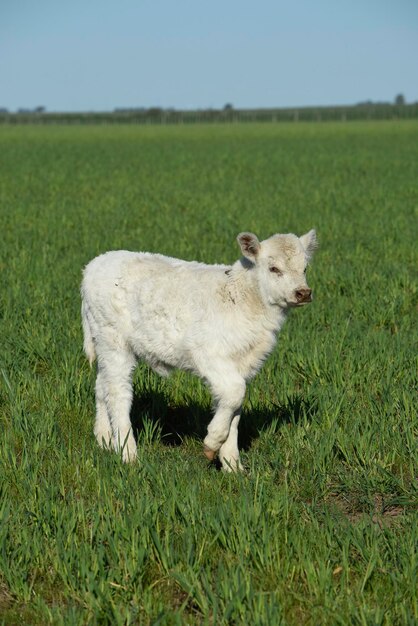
(87, 331)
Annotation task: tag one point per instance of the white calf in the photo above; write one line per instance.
(217, 321)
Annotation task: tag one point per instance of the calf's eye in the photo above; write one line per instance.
(275, 270)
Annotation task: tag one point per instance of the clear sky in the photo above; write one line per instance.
(85, 55)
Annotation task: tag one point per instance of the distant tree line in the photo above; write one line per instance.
(35, 111)
(157, 115)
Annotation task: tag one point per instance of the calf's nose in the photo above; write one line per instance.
(303, 294)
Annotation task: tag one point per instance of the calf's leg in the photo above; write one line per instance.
(102, 426)
(228, 452)
(116, 368)
(229, 390)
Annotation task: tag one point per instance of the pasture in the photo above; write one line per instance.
(322, 529)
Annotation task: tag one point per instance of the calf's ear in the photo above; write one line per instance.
(310, 243)
(249, 245)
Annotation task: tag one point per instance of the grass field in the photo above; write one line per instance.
(322, 529)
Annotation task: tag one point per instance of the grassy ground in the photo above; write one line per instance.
(323, 527)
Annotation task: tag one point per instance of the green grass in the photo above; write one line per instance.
(323, 527)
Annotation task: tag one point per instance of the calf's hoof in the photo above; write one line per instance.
(232, 467)
(209, 454)
(129, 455)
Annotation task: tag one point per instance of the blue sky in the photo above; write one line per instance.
(86, 55)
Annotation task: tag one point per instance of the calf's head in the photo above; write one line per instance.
(279, 264)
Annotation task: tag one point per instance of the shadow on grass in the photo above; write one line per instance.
(255, 419)
(191, 419)
(176, 422)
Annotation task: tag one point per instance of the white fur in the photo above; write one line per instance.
(217, 321)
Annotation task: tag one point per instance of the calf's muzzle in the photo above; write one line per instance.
(303, 295)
